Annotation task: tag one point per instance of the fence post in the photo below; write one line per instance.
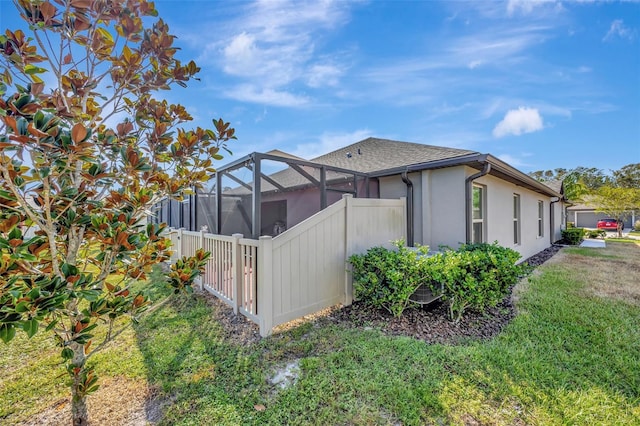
(265, 285)
(179, 245)
(204, 276)
(237, 273)
(348, 248)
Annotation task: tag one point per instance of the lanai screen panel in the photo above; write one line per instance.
(338, 184)
(289, 194)
(236, 216)
(205, 206)
(263, 194)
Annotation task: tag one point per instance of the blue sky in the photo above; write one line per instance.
(540, 84)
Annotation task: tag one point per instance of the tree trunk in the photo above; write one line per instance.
(619, 229)
(79, 412)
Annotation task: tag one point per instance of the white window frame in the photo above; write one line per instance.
(483, 213)
(540, 219)
(517, 232)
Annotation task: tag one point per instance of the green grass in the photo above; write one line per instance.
(591, 252)
(567, 358)
(622, 240)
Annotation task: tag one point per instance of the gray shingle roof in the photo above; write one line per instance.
(373, 154)
(555, 184)
(379, 157)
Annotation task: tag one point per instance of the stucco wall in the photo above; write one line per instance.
(559, 221)
(392, 187)
(446, 207)
(499, 225)
(438, 205)
(439, 210)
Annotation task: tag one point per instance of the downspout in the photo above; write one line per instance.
(552, 220)
(407, 181)
(468, 192)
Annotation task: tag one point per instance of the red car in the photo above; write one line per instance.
(611, 224)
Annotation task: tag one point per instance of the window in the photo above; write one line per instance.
(540, 218)
(478, 229)
(516, 219)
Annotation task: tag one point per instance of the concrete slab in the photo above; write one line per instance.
(593, 243)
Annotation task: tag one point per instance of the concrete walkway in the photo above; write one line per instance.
(593, 243)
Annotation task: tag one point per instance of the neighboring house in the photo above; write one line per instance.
(453, 195)
(584, 215)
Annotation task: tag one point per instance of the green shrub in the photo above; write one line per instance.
(636, 226)
(596, 233)
(571, 225)
(475, 276)
(573, 236)
(386, 278)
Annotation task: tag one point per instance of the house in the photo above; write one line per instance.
(281, 229)
(584, 215)
(453, 195)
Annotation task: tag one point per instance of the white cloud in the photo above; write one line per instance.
(273, 48)
(514, 161)
(618, 29)
(330, 142)
(525, 7)
(323, 75)
(240, 54)
(519, 121)
(266, 96)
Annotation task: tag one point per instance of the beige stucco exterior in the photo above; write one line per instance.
(500, 216)
(439, 210)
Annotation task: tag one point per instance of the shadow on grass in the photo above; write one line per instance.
(566, 358)
(197, 373)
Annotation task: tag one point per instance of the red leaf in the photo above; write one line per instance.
(48, 11)
(15, 242)
(259, 407)
(139, 299)
(78, 133)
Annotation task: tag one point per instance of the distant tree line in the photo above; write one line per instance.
(615, 194)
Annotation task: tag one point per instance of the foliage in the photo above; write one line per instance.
(576, 182)
(571, 225)
(573, 236)
(628, 176)
(617, 202)
(574, 187)
(475, 276)
(636, 226)
(77, 179)
(386, 278)
(202, 375)
(596, 233)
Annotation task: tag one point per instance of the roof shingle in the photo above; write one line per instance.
(373, 154)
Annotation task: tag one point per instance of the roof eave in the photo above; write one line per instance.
(477, 161)
(520, 178)
(436, 164)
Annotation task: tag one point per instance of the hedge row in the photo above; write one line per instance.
(475, 276)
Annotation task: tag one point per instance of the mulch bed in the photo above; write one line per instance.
(429, 323)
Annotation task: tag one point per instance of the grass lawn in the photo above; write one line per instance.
(571, 356)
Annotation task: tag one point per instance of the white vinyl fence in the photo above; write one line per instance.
(302, 270)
